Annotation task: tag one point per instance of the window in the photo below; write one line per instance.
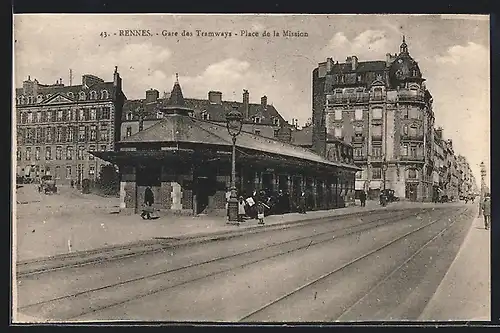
(58, 153)
(30, 117)
(205, 116)
(68, 171)
(104, 94)
(338, 132)
(376, 151)
(130, 116)
(81, 114)
(59, 115)
(405, 129)
(257, 132)
(58, 134)
(359, 174)
(276, 133)
(377, 131)
(80, 152)
(28, 153)
(412, 173)
(18, 155)
(91, 157)
(71, 134)
(81, 133)
(93, 114)
(93, 95)
(405, 113)
(377, 113)
(37, 153)
(91, 171)
(377, 94)
(81, 96)
(71, 95)
(358, 152)
(69, 153)
(376, 173)
(276, 121)
(338, 114)
(105, 112)
(256, 120)
(103, 147)
(129, 131)
(358, 114)
(38, 135)
(48, 153)
(413, 151)
(93, 133)
(48, 133)
(413, 130)
(57, 174)
(405, 149)
(39, 117)
(104, 132)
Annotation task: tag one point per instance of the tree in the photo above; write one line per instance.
(109, 180)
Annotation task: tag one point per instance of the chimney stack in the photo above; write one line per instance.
(246, 104)
(263, 101)
(215, 97)
(439, 133)
(152, 95)
(354, 63)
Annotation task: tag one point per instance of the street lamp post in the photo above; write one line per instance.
(234, 123)
(384, 169)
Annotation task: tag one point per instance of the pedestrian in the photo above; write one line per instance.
(148, 203)
(260, 212)
(362, 198)
(72, 183)
(302, 202)
(241, 209)
(486, 208)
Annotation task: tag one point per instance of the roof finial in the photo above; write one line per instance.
(116, 69)
(404, 39)
(176, 77)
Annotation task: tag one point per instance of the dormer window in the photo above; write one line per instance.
(256, 120)
(130, 116)
(159, 114)
(104, 94)
(276, 121)
(71, 95)
(81, 96)
(205, 115)
(93, 95)
(39, 99)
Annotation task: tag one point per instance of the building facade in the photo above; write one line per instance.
(384, 111)
(58, 125)
(261, 119)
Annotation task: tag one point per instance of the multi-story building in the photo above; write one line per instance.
(261, 119)
(466, 178)
(384, 110)
(57, 125)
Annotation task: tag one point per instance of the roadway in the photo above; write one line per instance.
(383, 265)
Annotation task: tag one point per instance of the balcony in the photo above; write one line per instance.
(412, 137)
(410, 158)
(359, 158)
(406, 95)
(342, 99)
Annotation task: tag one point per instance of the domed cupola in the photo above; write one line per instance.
(404, 68)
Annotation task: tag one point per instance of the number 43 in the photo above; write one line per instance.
(104, 34)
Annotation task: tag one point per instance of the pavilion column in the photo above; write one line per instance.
(315, 193)
(128, 189)
(258, 181)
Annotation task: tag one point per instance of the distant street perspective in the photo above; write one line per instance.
(335, 169)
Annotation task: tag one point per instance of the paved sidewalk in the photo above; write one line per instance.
(71, 222)
(465, 292)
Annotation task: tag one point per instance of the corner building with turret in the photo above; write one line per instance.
(384, 110)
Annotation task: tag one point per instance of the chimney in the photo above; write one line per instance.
(152, 95)
(246, 104)
(215, 97)
(329, 64)
(354, 63)
(439, 133)
(263, 101)
(348, 60)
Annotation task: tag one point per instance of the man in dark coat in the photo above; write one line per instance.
(148, 202)
(362, 198)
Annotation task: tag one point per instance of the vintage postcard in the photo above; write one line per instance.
(251, 168)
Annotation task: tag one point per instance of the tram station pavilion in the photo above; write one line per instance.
(187, 163)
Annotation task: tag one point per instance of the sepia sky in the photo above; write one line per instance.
(452, 52)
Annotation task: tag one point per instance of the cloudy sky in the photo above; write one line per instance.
(452, 51)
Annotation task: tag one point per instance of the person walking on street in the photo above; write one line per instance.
(260, 212)
(241, 209)
(486, 208)
(148, 203)
(362, 198)
(302, 203)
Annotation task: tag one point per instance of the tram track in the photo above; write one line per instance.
(263, 312)
(136, 249)
(204, 269)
